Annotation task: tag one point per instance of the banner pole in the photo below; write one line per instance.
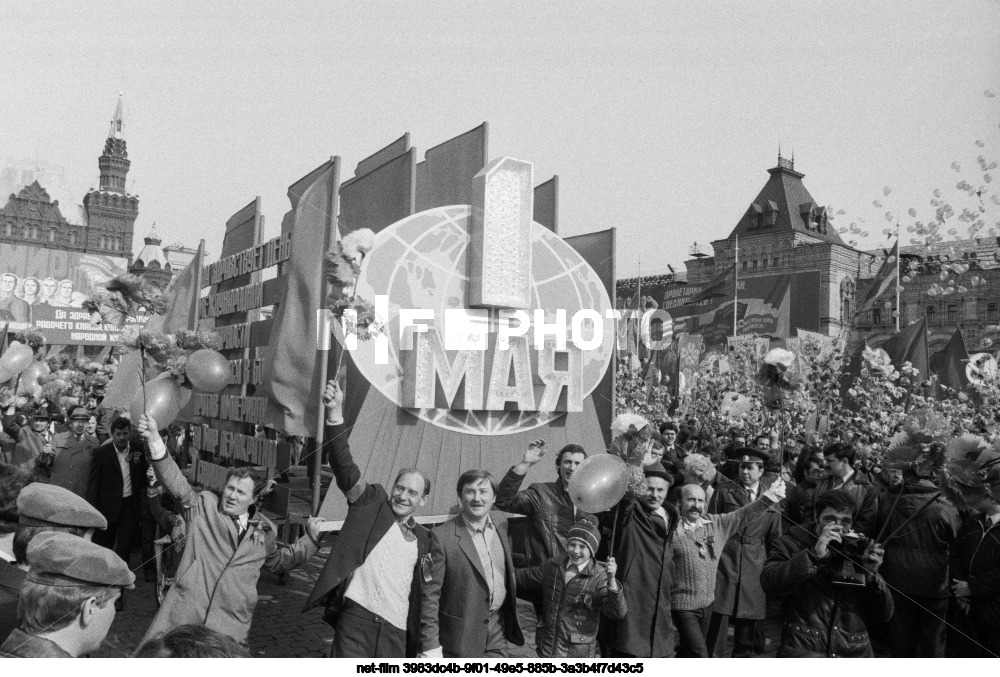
(324, 355)
(899, 261)
(736, 285)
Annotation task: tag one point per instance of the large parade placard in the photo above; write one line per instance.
(45, 288)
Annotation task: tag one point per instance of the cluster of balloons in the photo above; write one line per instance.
(163, 398)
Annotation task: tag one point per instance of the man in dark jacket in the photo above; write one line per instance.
(916, 565)
(551, 513)
(975, 566)
(738, 595)
(642, 550)
(839, 458)
(117, 480)
(371, 584)
(824, 617)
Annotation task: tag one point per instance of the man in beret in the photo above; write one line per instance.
(642, 550)
(738, 594)
(74, 450)
(40, 508)
(66, 604)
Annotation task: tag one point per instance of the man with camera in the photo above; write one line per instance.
(827, 581)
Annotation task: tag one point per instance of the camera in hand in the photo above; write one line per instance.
(847, 562)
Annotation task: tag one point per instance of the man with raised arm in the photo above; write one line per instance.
(227, 543)
(371, 585)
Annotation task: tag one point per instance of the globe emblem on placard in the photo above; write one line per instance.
(420, 263)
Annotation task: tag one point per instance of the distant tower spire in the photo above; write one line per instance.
(116, 121)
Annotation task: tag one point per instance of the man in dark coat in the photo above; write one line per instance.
(916, 565)
(841, 474)
(975, 566)
(823, 617)
(550, 511)
(469, 600)
(74, 450)
(117, 480)
(642, 550)
(371, 584)
(738, 595)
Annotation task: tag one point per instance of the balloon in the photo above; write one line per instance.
(33, 374)
(162, 398)
(599, 483)
(16, 358)
(185, 390)
(207, 370)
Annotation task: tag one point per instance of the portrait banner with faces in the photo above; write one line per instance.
(46, 288)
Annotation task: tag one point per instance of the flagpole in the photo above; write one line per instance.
(736, 285)
(899, 263)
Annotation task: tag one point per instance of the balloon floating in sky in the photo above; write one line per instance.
(886, 191)
(912, 211)
(989, 94)
(979, 144)
(957, 167)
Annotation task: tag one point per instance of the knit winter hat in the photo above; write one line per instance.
(585, 530)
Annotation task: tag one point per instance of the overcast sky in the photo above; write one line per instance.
(661, 118)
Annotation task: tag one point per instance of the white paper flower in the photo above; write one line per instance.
(779, 357)
(358, 243)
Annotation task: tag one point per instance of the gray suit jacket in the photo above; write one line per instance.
(456, 598)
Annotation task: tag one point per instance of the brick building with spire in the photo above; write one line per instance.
(107, 225)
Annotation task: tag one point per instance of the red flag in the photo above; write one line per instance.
(910, 345)
(183, 293)
(949, 364)
(883, 282)
(290, 379)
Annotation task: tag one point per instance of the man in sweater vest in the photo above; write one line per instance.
(697, 545)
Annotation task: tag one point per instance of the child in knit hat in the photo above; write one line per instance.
(576, 590)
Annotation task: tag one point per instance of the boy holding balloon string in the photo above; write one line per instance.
(576, 591)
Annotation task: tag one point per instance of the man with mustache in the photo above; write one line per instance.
(697, 546)
(371, 584)
(469, 602)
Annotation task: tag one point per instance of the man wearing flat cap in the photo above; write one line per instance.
(645, 527)
(74, 450)
(66, 605)
(739, 599)
(41, 508)
(32, 439)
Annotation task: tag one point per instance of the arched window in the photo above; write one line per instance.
(52, 234)
(992, 312)
(953, 314)
(72, 238)
(931, 315)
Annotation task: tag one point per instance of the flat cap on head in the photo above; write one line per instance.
(46, 505)
(79, 413)
(63, 560)
(657, 470)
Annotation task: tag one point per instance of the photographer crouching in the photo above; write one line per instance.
(828, 584)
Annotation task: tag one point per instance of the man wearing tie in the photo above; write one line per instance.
(117, 479)
(227, 543)
(738, 594)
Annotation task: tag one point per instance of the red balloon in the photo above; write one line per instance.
(207, 370)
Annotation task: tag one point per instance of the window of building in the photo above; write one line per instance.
(763, 263)
(72, 238)
(52, 234)
(876, 316)
(845, 309)
(754, 266)
(745, 264)
(931, 315)
(774, 262)
(992, 312)
(952, 314)
(33, 232)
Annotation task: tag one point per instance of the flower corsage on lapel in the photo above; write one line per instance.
(260, 530)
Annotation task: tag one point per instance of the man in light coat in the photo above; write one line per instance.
(226, 545)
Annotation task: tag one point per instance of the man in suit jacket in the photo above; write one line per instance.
(372, 582)
(117, 480)
(469, 602)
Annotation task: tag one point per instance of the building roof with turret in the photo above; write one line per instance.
(152, 255)
(784, 204)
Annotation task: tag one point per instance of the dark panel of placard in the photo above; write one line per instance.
(381, 197)
(547, 204)
(380, 157)
(448, 170)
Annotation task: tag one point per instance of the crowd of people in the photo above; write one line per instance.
(716, 530)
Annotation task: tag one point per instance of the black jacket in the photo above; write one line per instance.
(865, 497)
(976, 559)
(550, 511)
(104, 487)
(369, 518)
(821, 619)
